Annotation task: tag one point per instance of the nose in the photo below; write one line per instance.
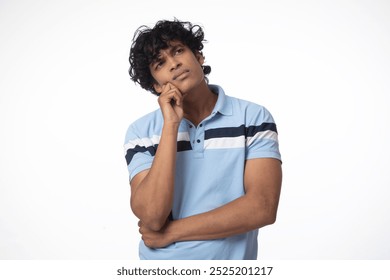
(174, 63)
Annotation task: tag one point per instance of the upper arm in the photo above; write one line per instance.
(137, 179)
(134, 184)
(262, 182)
(139, 149)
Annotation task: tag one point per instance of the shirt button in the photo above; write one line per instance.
(201, 125)
(198, 141)
(190, 126)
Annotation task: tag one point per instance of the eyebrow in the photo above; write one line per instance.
(171, 49)
(175, 47)
(155, 59)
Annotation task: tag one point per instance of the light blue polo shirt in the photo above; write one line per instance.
(209, 169)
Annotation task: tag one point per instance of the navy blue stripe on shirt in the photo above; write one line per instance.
(139, 149)
(253, 129)
(181, 147)
(224, 132)
(238, 131)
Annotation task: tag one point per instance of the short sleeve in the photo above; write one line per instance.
(139, 151)
(262, 136)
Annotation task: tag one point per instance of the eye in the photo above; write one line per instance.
(179, 50)
(158, 64)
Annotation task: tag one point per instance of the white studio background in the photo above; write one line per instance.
(321, 67)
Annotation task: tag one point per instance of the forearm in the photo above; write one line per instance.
(236, 217)
(151, 200)
(239, 216)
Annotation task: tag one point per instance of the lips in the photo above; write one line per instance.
(180, 74)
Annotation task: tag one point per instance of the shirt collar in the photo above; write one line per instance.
(223, 105)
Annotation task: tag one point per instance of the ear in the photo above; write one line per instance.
(200, 57)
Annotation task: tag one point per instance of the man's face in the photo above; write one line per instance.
(179, 66)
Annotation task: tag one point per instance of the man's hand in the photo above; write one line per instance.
(170, 101)
(155, 239)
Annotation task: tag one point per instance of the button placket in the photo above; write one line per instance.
(199, 136)
(196, 134)
(192, 135)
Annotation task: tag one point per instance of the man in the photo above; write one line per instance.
(205, 168)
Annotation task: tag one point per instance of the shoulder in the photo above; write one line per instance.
(145, 126)
(229, 105)
(249, 110)
(243, 103)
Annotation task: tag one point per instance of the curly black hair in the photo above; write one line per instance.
(147, 43)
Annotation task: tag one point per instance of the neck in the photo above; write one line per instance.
(199, 104)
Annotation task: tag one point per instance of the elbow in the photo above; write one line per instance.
(265, 217)
(266, 212)
(270, 219)
(264, 221)
(152, 221)
(155, 224)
